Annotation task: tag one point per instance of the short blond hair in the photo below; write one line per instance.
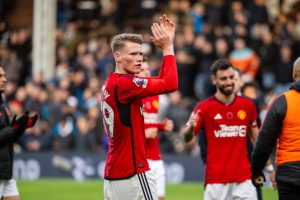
(118, 41)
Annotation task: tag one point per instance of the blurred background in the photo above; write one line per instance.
(56, 54)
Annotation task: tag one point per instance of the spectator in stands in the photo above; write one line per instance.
(70, 37)
(177, 110)
(197, 12)
(245, 59)
(221, 47)
(283, 69)
(63, 133)
(84, 138)
(97, 128)
(39, 138)
(268, 53)
(13, 65)
(259, 10)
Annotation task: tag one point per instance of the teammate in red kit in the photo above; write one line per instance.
(122, 108)
(226, 119)
(152, 128)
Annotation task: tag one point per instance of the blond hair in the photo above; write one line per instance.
(118, 41)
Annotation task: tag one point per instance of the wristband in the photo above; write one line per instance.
(269, 168)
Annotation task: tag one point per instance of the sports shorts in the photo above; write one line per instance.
(8, 188)
(158, 171)
(242, 190)
(139, 187)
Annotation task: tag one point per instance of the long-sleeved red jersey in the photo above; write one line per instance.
(122, 109)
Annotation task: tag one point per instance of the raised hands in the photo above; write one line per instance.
(194, 119)
(163, 35)
(188, 131)
(24, 122)
(31, 121)
(168, 25)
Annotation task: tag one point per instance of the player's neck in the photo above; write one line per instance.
(225, 99)
(120, 70)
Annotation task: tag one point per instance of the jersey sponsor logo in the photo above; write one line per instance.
(151, 118)
(140, 82)
(155, 104)
(218, 116)
(241, 114)
(231, 131)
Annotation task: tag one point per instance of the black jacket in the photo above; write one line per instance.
(7, 138)
(288, 172)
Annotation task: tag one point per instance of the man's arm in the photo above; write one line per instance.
(268, 166)
(151, 133)
(167, 81)
(167, 48)
(254, 134)
(151, 130)
(253, 137)
(8, 135)
(268, 134)
(12, 133)
(188, 133)
(254, 131)
(14, 130)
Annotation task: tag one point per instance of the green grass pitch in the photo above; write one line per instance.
(67, 189)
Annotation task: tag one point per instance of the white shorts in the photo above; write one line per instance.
(243, 190)
(158, 171)
(8, 188)
(139, 187)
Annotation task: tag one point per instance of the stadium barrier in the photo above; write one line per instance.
(81, 166)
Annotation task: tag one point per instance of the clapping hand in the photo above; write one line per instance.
(168, 25)
(24, 122)
(163, 35)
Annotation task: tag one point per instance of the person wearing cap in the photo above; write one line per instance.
(282, 127)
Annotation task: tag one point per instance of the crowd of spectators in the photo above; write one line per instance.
(262, 45)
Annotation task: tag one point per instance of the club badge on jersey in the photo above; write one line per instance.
(140, 82)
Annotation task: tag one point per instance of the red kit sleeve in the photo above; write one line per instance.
(132, 87)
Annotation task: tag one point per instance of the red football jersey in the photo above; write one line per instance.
(226, 128)
(122, 109)
(151, 105)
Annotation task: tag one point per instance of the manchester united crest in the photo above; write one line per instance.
(241, 114)
(155, 104)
